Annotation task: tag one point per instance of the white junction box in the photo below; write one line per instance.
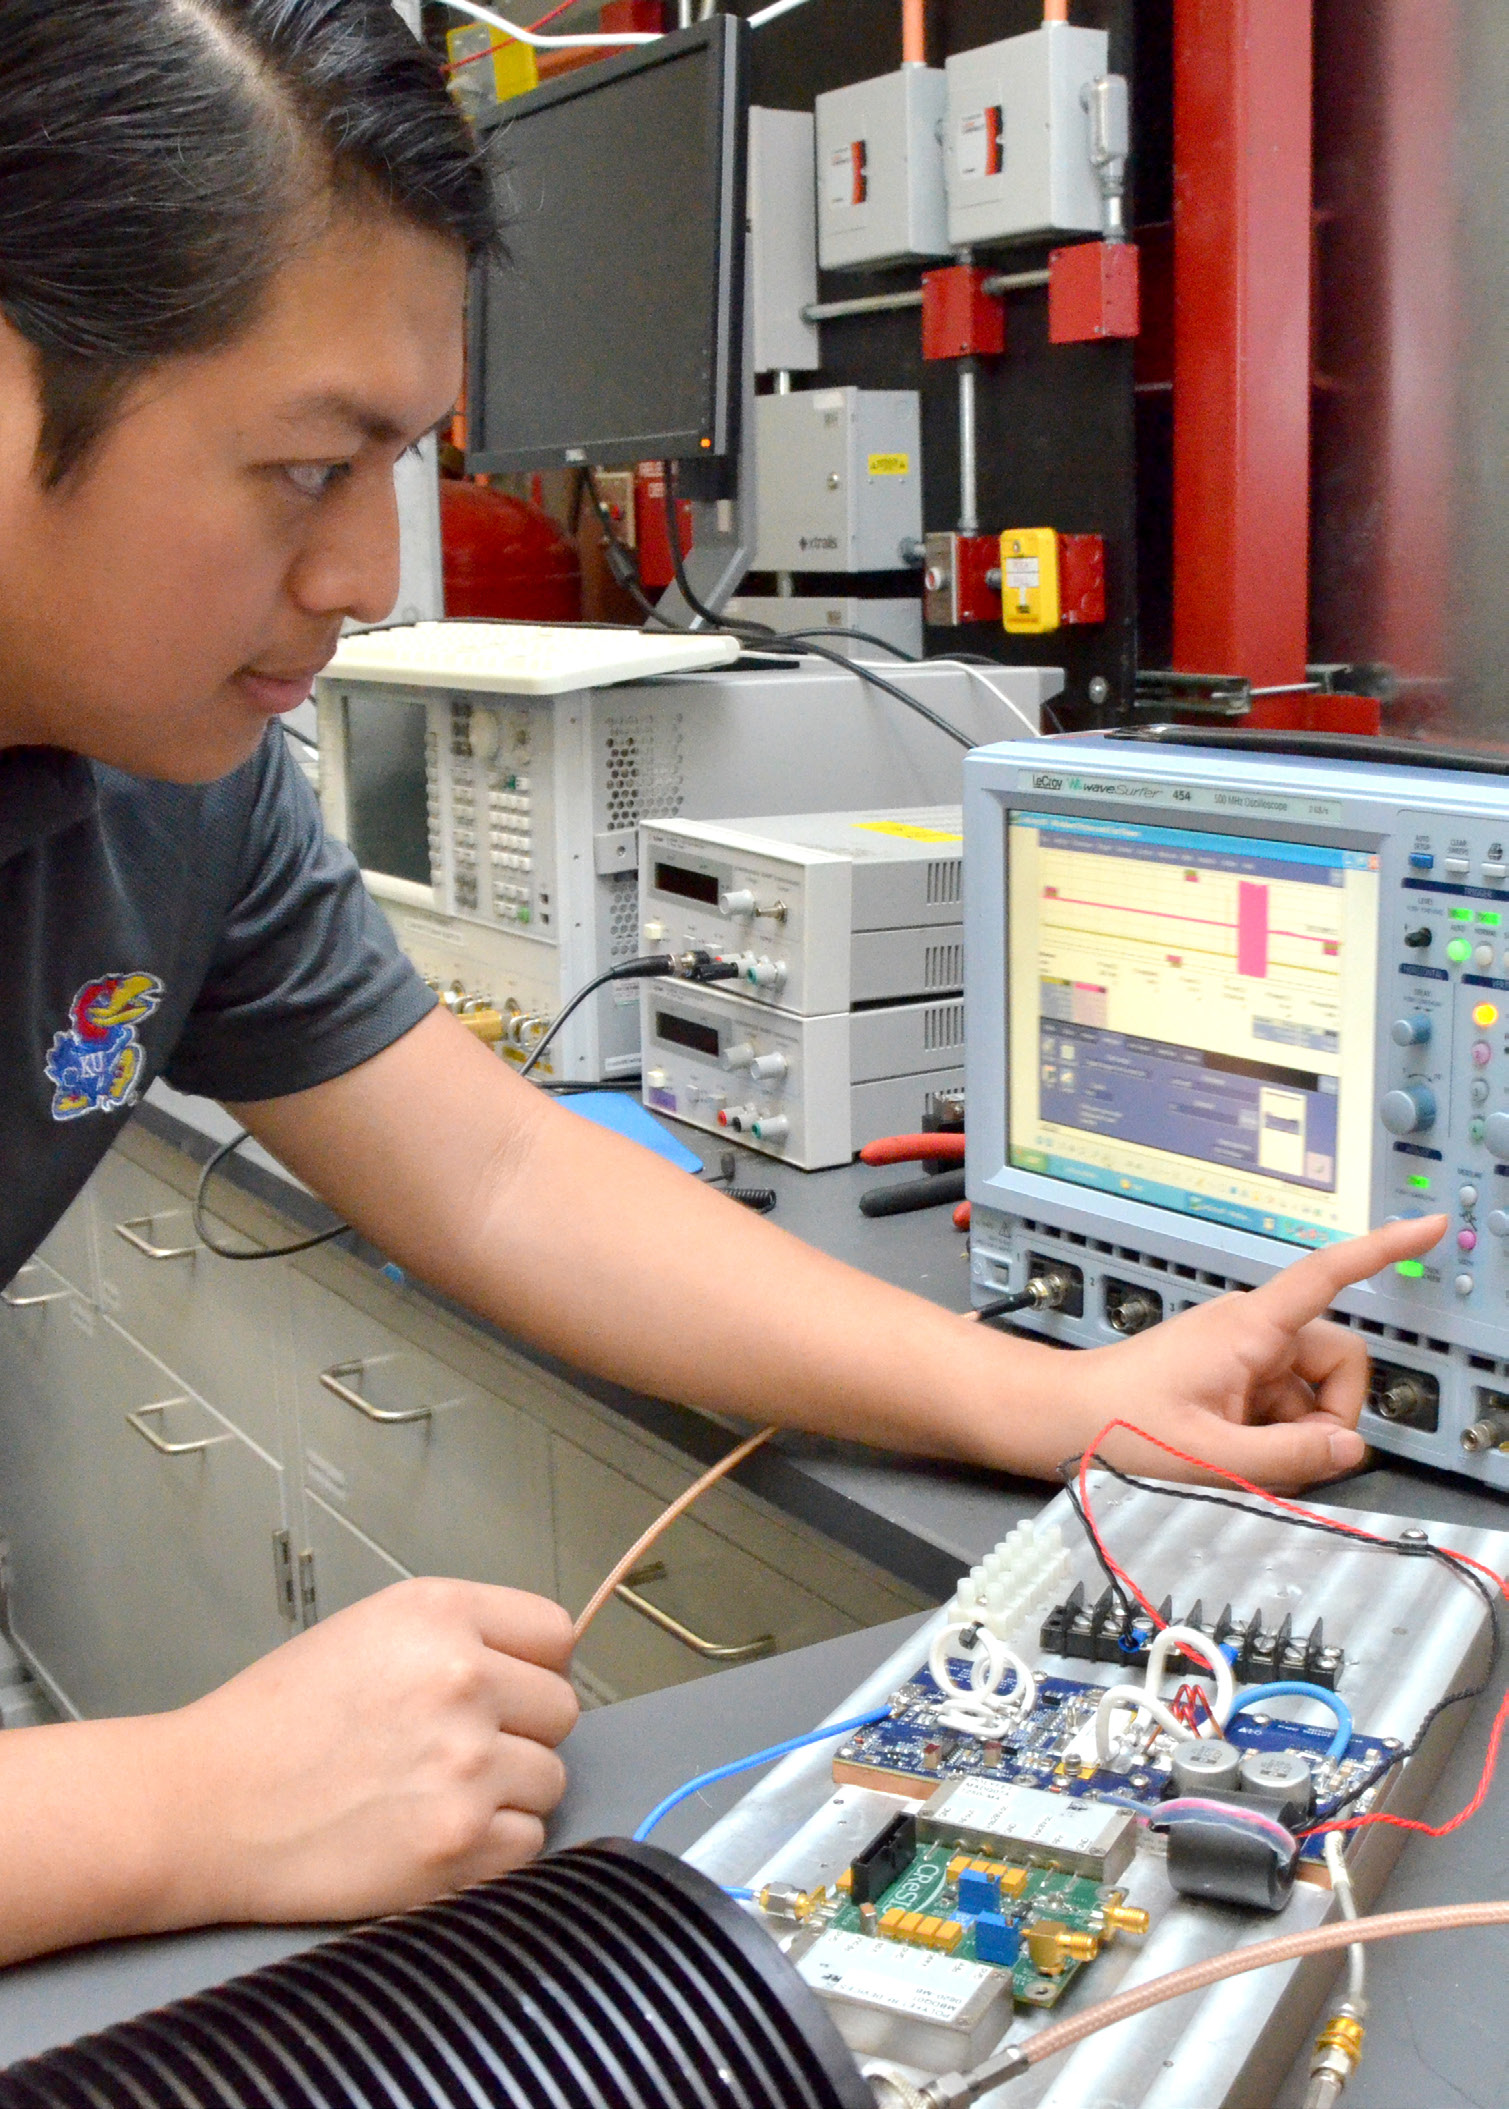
(823, 910)
(894, 622)
(782, 242)
(880, 195)
(1017, 140)
(893, 2001)
(839, 483)
(808, 1090)
(499, 832)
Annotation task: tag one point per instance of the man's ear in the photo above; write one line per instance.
(20, 408)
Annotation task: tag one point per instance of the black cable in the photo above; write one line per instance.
(302, 737)
(767, 635)
(862, 637)
(645, 969)
(1003, 1306)
(225, 1252)
(1406, 1548)
(622, 562)
(760, 1198)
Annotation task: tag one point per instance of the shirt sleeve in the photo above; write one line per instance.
(306, 980)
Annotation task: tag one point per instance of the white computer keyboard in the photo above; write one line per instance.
(524, 658)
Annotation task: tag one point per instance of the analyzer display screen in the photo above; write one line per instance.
(1192, 1021)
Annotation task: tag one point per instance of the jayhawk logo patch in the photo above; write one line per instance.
(95, 1066)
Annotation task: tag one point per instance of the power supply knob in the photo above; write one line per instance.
(1496, 1135)
(740, 902)
(771, 1127)
(766, 973)
(1412, 1110)
(768, 1068)
(740, 1056)
(1410, 1032)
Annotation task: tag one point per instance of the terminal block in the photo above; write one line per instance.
(1110, 1630)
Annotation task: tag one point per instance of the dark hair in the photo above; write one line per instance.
(156, 157)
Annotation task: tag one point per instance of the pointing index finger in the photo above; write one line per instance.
(1300, 1293)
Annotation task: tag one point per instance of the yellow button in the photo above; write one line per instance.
(1485, 1014)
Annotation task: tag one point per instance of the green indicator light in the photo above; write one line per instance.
(1420, 1180)
(1458, 951)
(1475, 1130)
(1413, 1270)
(1460, 915)
(1490, 917)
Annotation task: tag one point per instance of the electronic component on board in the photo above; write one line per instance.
(1112, 1630)
(883, 1859)
(1052, 1830)
(1230, 1864)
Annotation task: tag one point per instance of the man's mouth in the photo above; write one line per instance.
(273, 690)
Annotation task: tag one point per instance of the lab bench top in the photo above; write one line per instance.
(1438, 2033)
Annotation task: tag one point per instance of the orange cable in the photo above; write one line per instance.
(663, 1522)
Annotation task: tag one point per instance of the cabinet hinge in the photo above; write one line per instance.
(282, 1575)
(308, 1602)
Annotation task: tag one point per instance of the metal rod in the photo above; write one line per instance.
(871, 304)
(969, 497)
(1015, 281)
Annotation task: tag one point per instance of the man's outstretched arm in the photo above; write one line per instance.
(598, 1251)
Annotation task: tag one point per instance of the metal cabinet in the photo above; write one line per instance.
(220, 1325)
(145, 1534)
(443, 1475)
(337, 1565)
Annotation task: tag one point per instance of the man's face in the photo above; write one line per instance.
(185, 584)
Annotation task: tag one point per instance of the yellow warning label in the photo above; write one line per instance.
(906, 829)
(890, 464)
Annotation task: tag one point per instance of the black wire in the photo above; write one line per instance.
(622, 562)
(627, 970)
(1404, 1547)
(760, 1198)
(768, 635)
(225, 1252)
(1003, 1306)
(302, 737)
(863, 637)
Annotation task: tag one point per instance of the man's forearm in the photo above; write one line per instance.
(597, 1251)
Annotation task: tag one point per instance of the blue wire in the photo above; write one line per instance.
(1262, 1693)
(741, 1896)
(662, 1809)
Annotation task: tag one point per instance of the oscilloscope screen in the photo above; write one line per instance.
(1191, 1020)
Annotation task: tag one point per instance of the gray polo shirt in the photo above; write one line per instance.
(209, 934)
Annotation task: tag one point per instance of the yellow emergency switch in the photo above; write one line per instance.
(1030, 598)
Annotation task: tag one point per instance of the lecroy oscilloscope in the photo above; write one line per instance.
(1227, 1006)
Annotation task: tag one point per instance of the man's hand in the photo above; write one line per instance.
(1257, 1382)
(393, 1753)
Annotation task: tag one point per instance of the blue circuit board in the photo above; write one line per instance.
(910, 1753)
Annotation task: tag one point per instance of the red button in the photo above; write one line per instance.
(1467, 1240)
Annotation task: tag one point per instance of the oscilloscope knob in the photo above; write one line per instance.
(1412, 1110)
(1410, 1032)
(1496, 1135)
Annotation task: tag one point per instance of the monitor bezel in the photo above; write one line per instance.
(716, 436)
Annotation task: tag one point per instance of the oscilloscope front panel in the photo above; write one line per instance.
(1224, 1009)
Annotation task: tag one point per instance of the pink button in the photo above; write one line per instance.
(1482, 1052)
(1467, 1240)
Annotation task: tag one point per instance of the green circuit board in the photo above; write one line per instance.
(1072, 1901)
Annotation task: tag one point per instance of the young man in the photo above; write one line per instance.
(234, 237)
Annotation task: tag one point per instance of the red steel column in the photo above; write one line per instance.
(1242, 266)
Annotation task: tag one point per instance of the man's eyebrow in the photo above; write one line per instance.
(348, 410)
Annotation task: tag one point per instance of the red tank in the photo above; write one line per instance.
(505, 558)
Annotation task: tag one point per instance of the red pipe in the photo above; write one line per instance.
(914, 32)
(1242, 249)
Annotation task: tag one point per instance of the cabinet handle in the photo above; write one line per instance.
(132, 1233)
(138, 1421)
(389, 1417)
(29, 1303)
(709, 1650)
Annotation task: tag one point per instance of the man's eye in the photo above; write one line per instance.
(314, 478)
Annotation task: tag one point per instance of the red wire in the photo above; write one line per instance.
(1352, 1530)
(456, 65)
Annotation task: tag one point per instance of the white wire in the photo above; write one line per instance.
(536, 42)
(777, 7)
(978, 672)
(979, 1710)
(1171, 1637)
(1141, 1702)
(1341, 1882)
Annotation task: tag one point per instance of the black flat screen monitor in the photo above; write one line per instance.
(613, 333)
